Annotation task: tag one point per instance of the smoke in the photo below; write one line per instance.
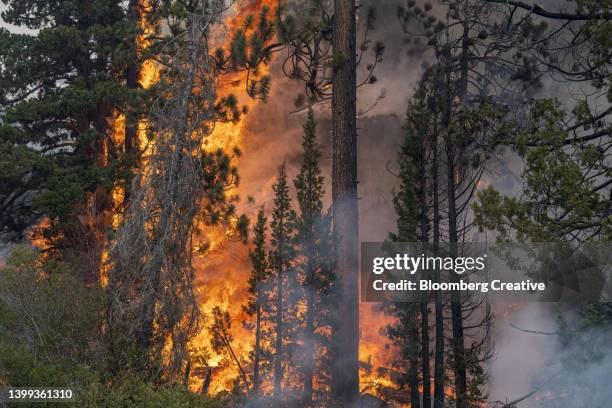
(520, 357)
(580, 378)
(569, 369)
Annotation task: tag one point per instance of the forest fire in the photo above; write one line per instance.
(184, 186)
(223, 269)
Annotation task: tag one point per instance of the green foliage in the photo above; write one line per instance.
(411, 161)
(297, 265)
(315, 243)
(21, 367)
(132, 392)
(60, 86)
(309, 181)
(564, 174)
(250, 47)
(49, 321)
(283, 223)
(54, 312)
(259, 263)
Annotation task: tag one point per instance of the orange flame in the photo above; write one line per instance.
(222, 267)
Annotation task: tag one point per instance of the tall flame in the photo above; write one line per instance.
(223, 271)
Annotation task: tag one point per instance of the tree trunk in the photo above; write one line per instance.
(425, 355)
(439, 354)
(278, 362)
(413, 371)
(344, 197)
(456, 309)
(309, 342)
(456, 313)
(153, 268)
(424, 309)
(257, 350)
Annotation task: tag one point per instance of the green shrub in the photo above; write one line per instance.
(132, 392)
(46, 306)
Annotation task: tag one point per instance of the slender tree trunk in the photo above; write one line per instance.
(413, 371)
(439, 354)
(345, 385)
(228, 344)
(310, 343)
(424, 309)
(456, 312)
(206, 382)
(425, 355)
(278, 362)
(456, 309)
(257, 351)
(465, 49)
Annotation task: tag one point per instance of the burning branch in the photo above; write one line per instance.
(222, 340)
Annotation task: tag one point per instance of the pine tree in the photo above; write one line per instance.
(257, 293)
(410, 205)
(315, 241)
(281, 257)
(308, 36)
(61, 86)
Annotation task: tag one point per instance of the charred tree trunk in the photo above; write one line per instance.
(344, 196)
(425, 355)
(206, 382)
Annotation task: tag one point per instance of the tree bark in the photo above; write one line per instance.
(424, 309)
(310, 343)
(413, 371)
(439, 353)
(456, 309)
(344, 201)
(425, 355)
(278, 356)
(257, 351)
(456, 312)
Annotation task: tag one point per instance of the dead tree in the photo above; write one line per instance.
(152, 306)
